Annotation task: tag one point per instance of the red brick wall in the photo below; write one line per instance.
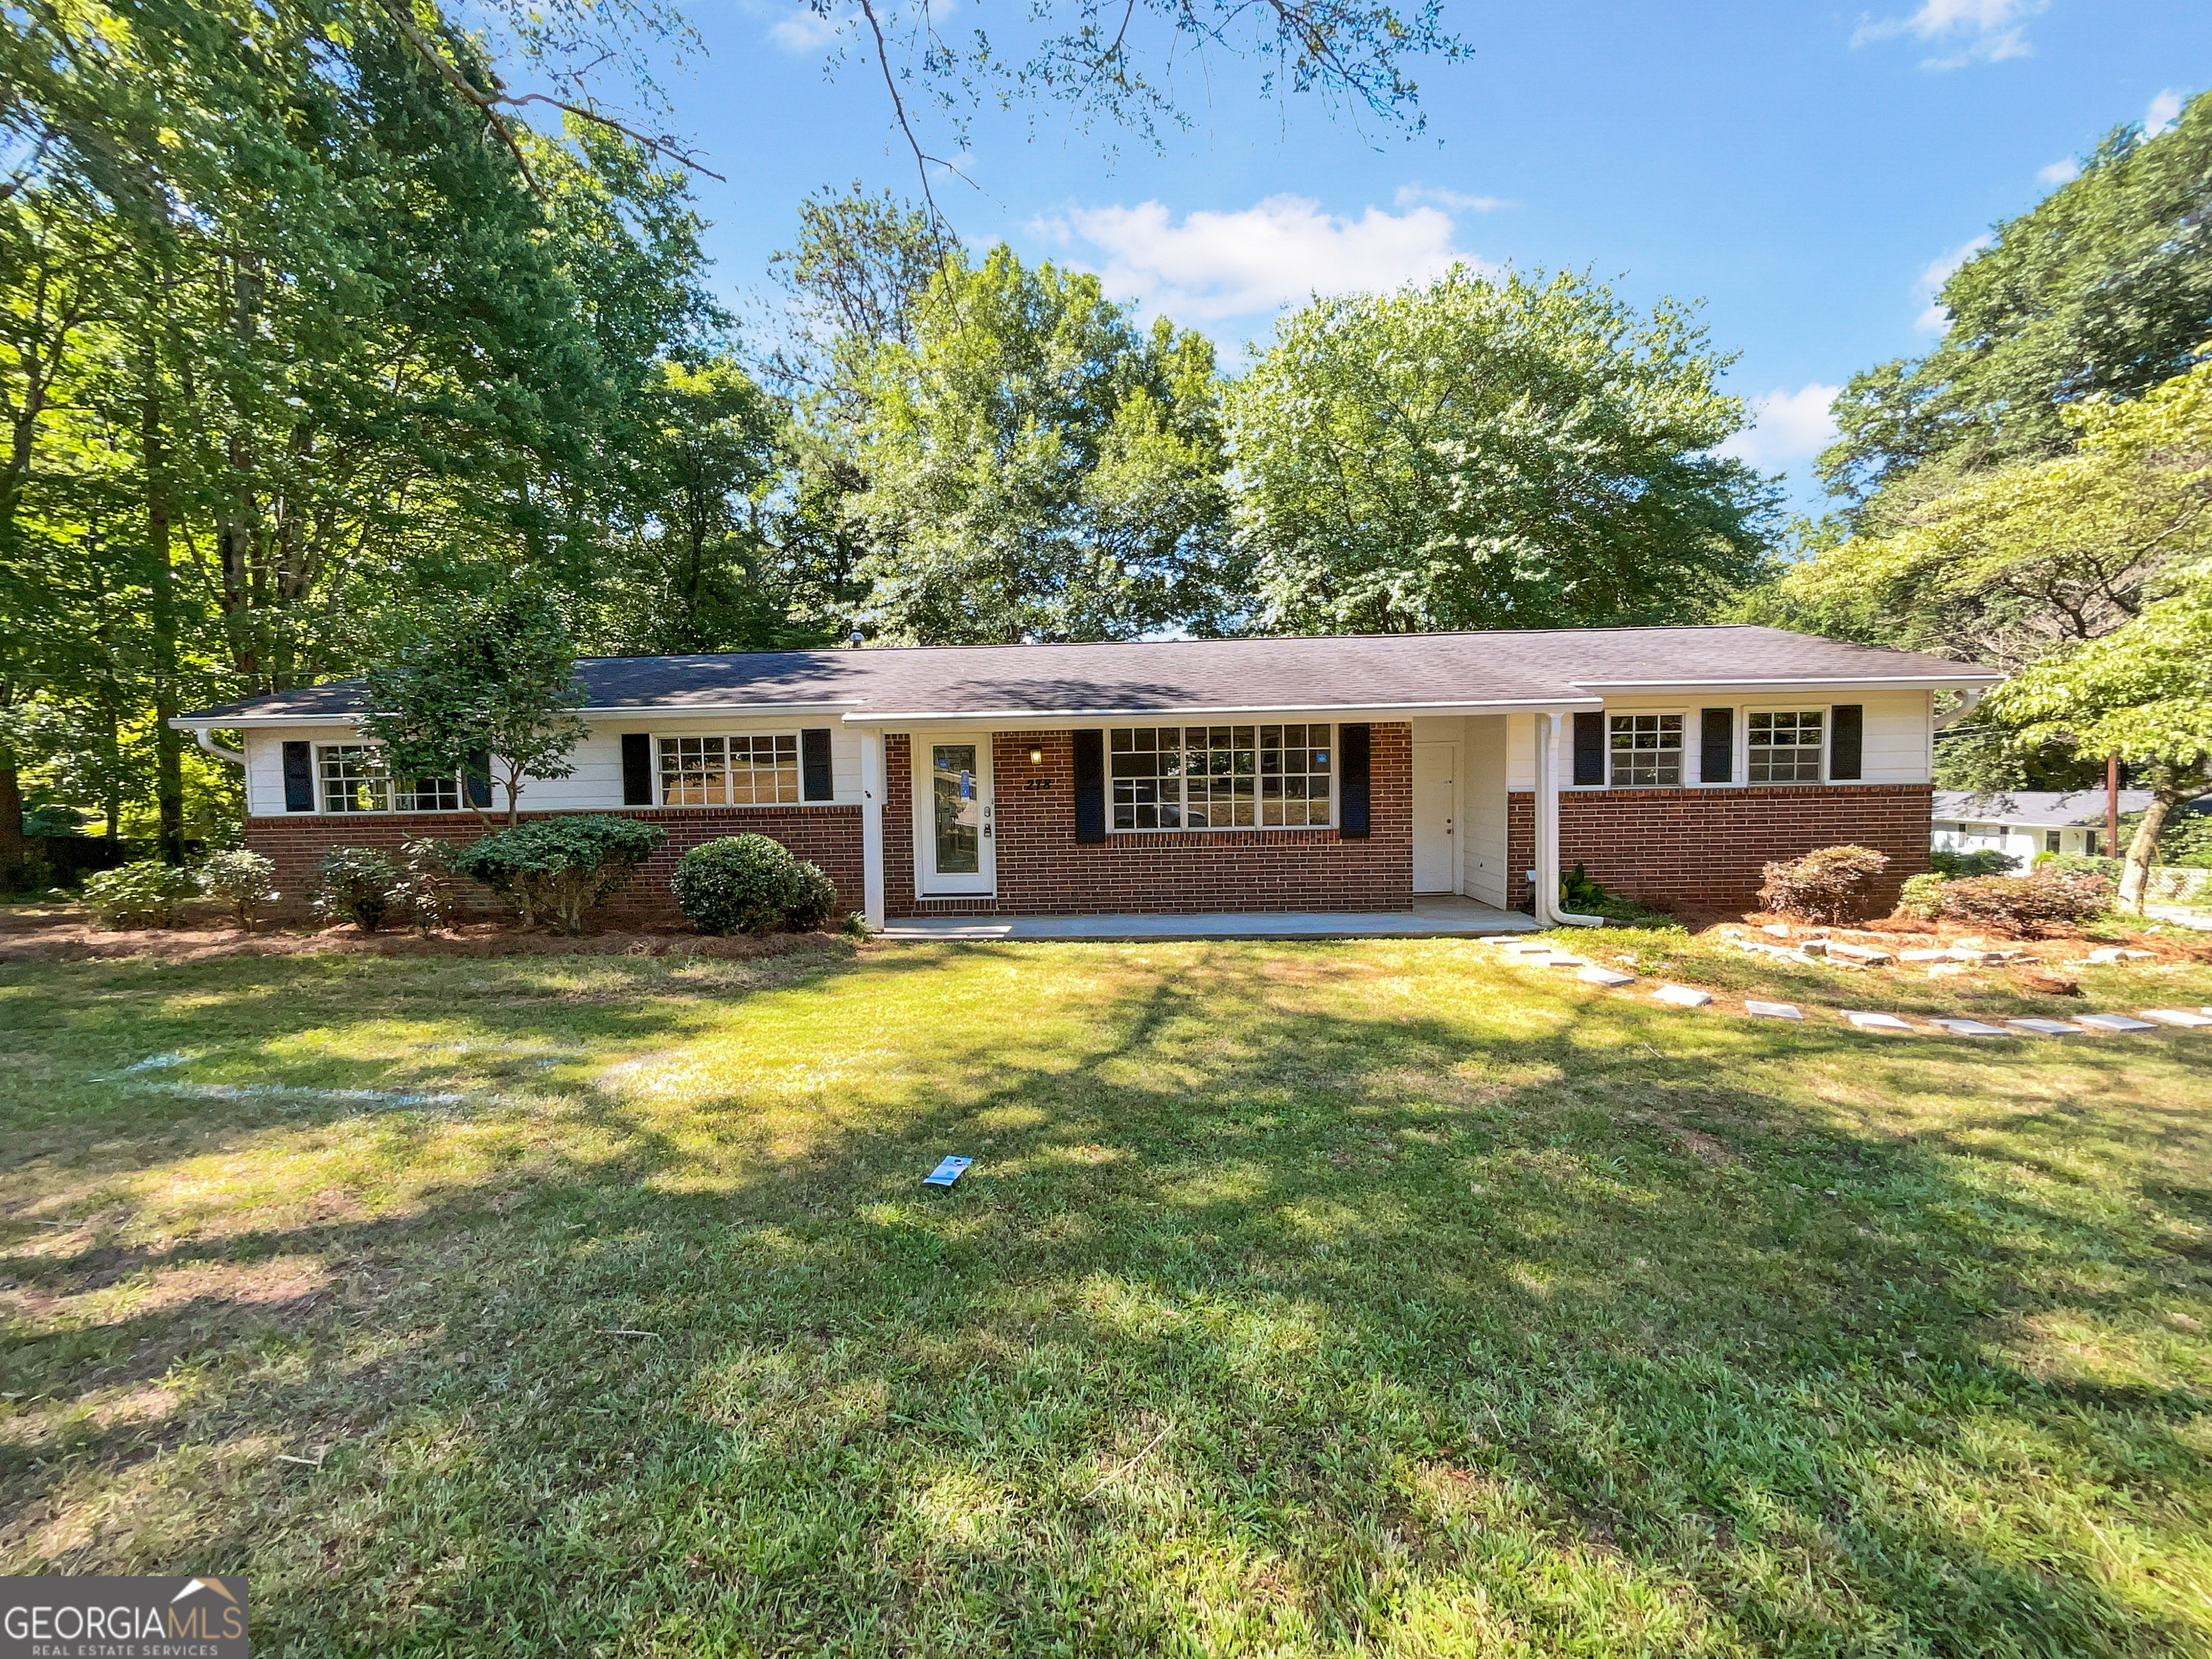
(1521, 851)
(828, 835)
(1043, 870)
(1701, 849)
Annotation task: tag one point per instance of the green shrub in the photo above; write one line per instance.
(1829, 885)
(359, 884)
(557, 868)
(1986, 861)
(2025, 905)
(2080, 864)
(147, 893)
(1922, 896)
(243, 880)
(426, 881)
(1582, 896)
(751, 885)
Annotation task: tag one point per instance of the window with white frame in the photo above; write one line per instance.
(754, 770)
(1219, 777)
(1646, 750)
(1785, 746)
(354, 780)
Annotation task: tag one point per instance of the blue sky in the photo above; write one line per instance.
(1807, 171)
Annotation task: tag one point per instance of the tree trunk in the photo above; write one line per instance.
(11, 817)
(2134, 875)
(162, 613)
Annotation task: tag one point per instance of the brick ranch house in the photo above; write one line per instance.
(1182, 776)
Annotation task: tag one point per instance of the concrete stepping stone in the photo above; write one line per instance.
(1774, 1010)
(2180, 1017)
(1525, 947)
(1867, 1022)
(2047, 1027)
(1865, 955)
(1682, 996)
(1925, 956)
(1969, 1028)
(1612, 978)
(1566, 960)
(2120, 953)
(2115, 1022)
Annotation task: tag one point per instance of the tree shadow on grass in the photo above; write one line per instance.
(1263, 1319)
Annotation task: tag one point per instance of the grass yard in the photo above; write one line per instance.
(1377, 1298)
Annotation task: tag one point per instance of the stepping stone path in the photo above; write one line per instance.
(2114, 1023)
(2180, 1017)
(1773, 1011)
(1876, 1021)
(1969, 1028)
(1925, 956)
(1566, 959)
(2115, 953)
(1682, 996)
(2047, 1027)
(1594, 975)
(1865, 955)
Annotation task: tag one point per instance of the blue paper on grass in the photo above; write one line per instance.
(946, 1172)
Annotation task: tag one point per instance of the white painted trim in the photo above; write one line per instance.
(1870, 683)
(872, 827)
(204, 736)
(984, 882)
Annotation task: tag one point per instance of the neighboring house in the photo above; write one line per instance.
(1253, 775)
(2025, 822)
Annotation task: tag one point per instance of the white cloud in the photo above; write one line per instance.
(1413, 195)
(2060, 172)
(1934, 318)
(1256, 258)
(1962, 32)
(796, 28)
(1786, 428)
(2164, 111)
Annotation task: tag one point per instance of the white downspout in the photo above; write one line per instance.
(1547, 829)
(872, 826)
(206, 738)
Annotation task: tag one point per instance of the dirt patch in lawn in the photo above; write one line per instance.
(56, 933)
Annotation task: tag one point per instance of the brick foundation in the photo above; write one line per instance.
(1043, 870)
(827, 836)
(1701, 850)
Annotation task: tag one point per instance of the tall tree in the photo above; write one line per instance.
(1469, 453)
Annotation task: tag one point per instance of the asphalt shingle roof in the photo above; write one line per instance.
(1198, 675)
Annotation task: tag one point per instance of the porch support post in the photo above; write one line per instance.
(1547, 828)
(871, 825)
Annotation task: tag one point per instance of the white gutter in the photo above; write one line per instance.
(1968, 702)
(1847, 683)
(1025, 718)
(1547, 828)
(204, 736)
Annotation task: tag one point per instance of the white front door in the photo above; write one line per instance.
(952, 828)
(1436, 818)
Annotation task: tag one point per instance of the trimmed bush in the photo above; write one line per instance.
(2025, 905)
(556, 869)
(243, 880)
(1829, 885)
(751, 885)
(359, 884)
(1952, 864)
(426, 881)
(1922, 896)
(147, 893)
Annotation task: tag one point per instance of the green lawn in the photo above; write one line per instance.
(1375, 1297)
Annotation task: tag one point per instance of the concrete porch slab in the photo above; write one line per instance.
(1429, 917)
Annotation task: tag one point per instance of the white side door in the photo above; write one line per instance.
(953, 831)
(1436, 818)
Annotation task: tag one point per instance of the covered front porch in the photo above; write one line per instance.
(1431, 917)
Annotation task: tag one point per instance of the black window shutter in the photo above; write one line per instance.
(1090, 785)
(1846, 741)
(637, 769)
(1354, 758)
(299, 777)
(1590, 749)
(476, 777)
(816, 782)
(1717, 747)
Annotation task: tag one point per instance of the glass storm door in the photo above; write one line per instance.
(956, 827)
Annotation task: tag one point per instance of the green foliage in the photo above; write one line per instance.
(245, 881)
(2024, 906)
(52, 818)
(1950, 864)
(359, 884)
(751, 885)
(426, 881)
(1582, 895)
(2101, 291)
(1039, 468)
(556, 869)
(1473, 454)
(1923, 896)
(1828, 884)
(146, 894)
(2081, 864)
(489, 690)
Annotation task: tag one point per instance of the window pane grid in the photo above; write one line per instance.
(353, 780)
(1646, 751)
(758, 769)
(1786, 748)
(1219, 777)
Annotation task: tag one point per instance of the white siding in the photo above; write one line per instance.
(264, 763)
(1520, 752)
(1488, 881)
(1897, 747)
